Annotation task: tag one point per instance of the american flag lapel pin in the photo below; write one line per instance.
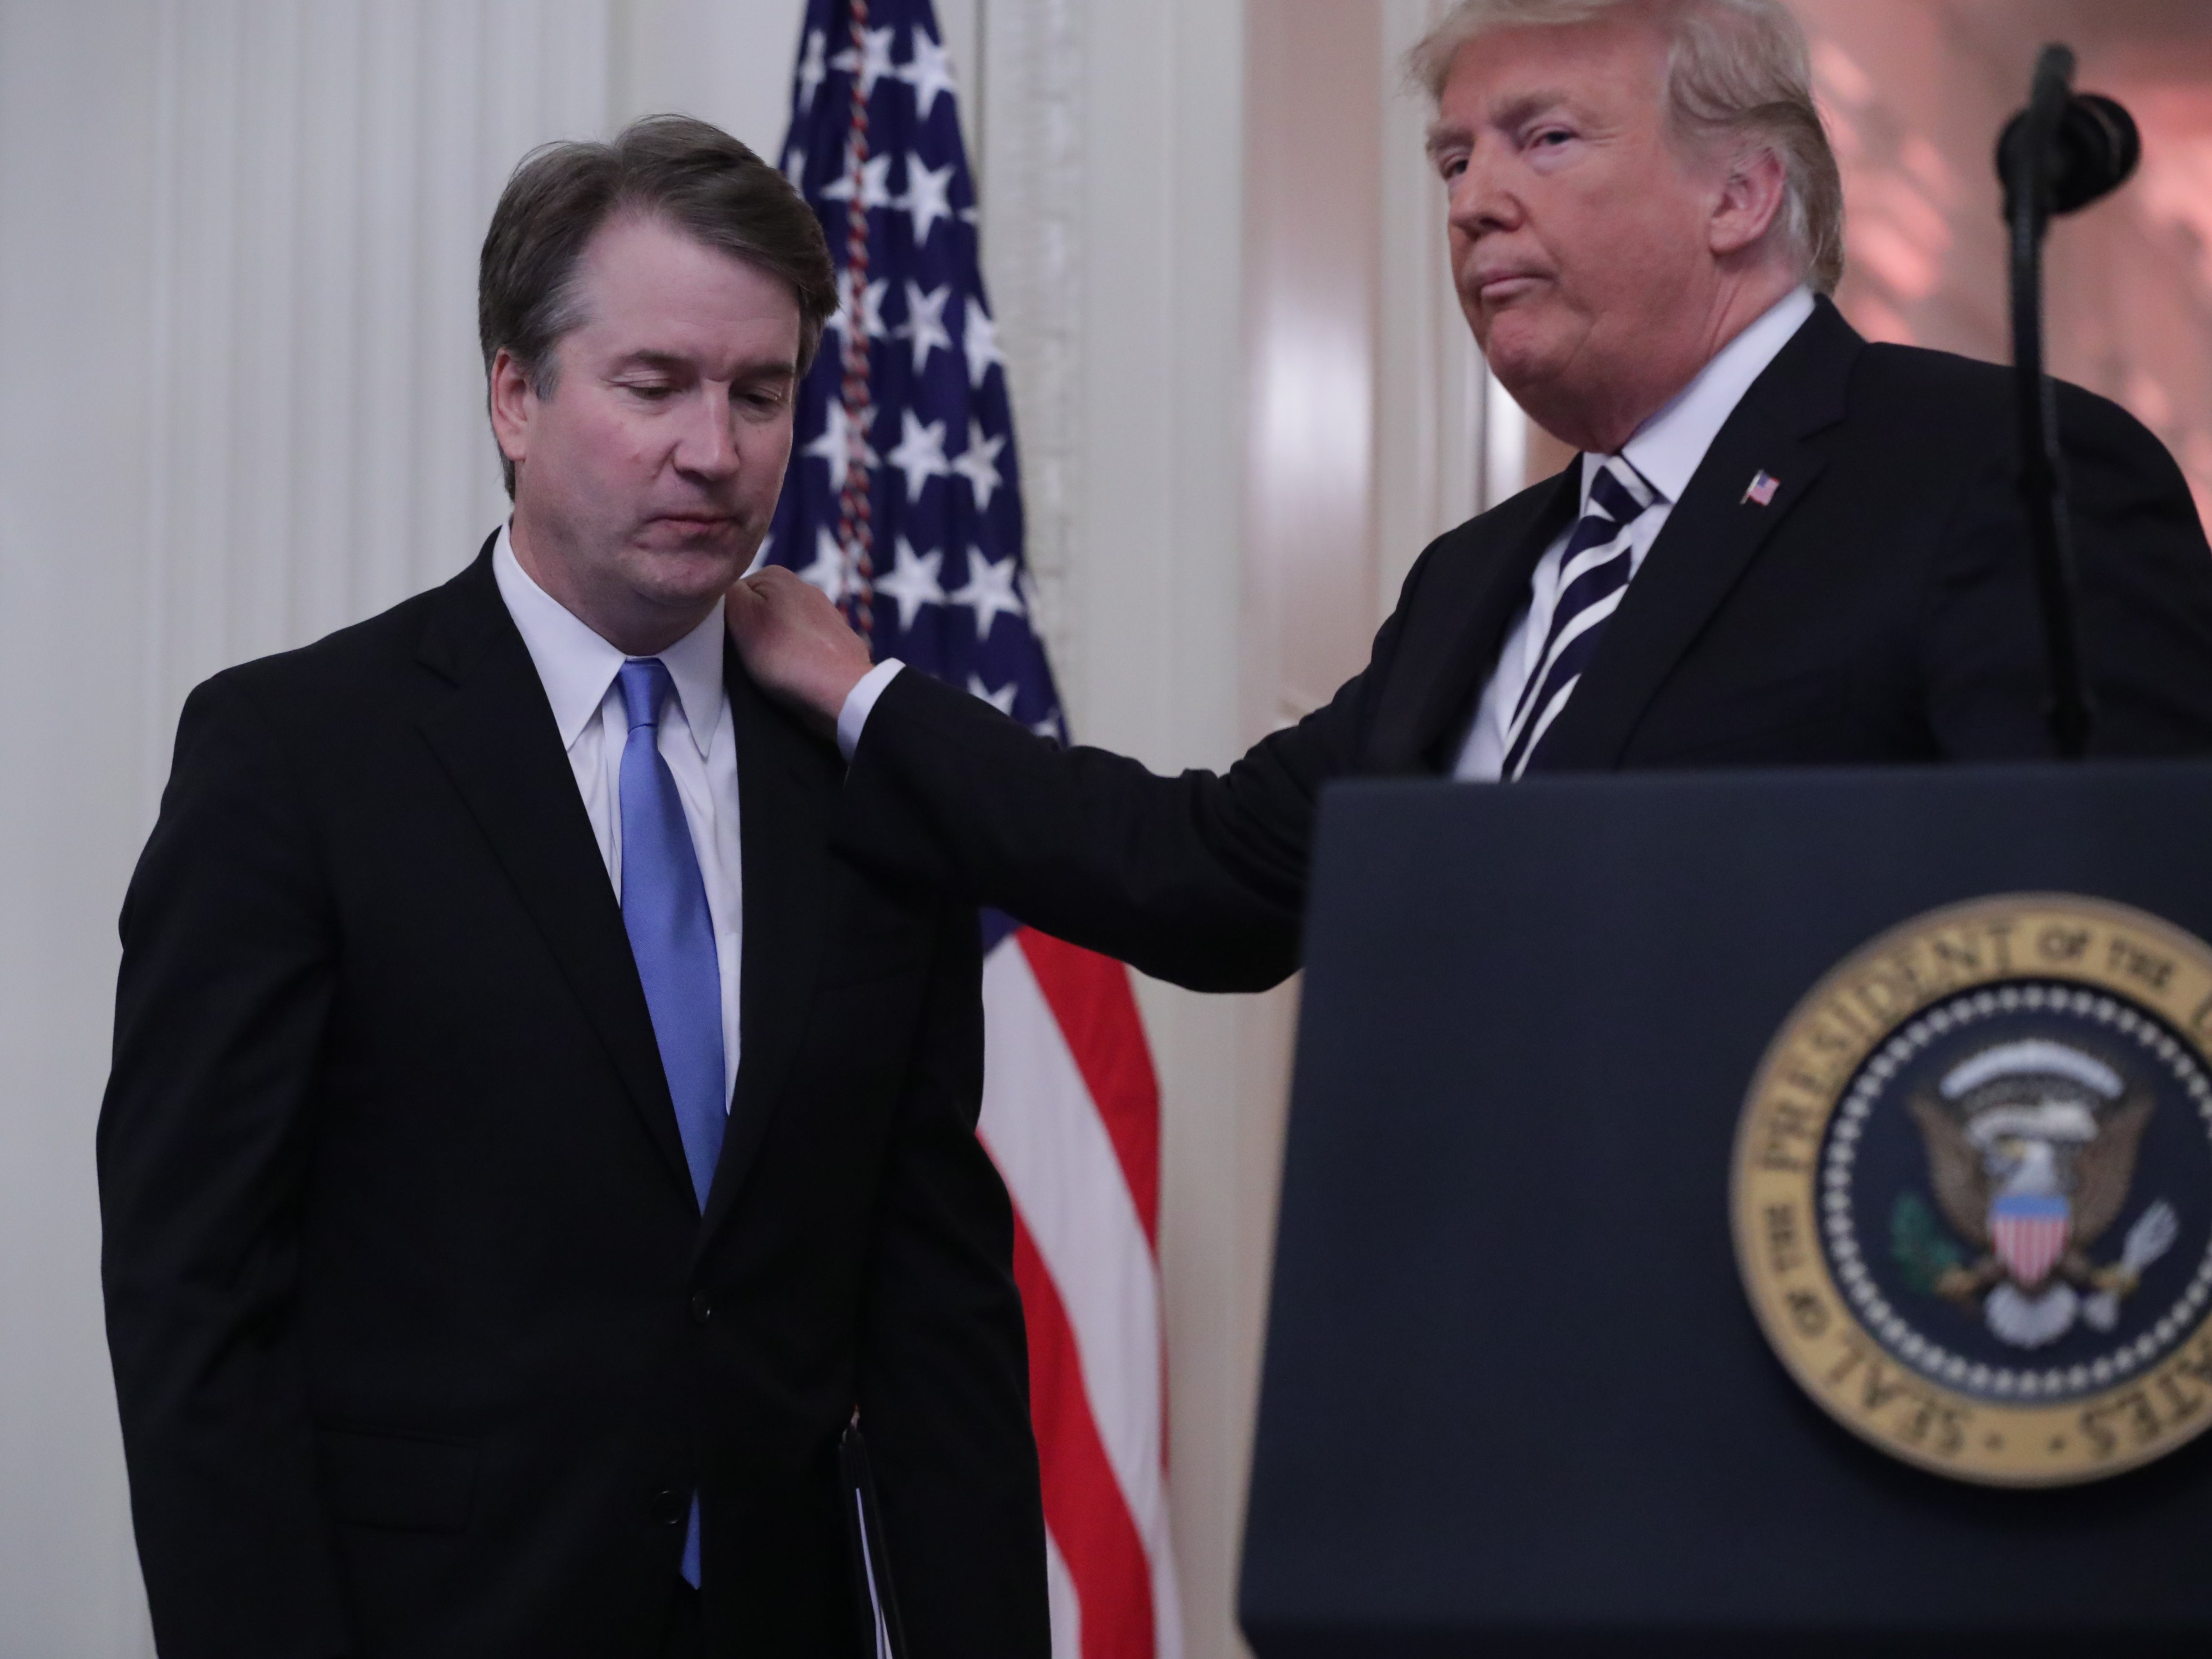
(1763, 486)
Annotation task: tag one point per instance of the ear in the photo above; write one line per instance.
(514, 406)
(1750, 197)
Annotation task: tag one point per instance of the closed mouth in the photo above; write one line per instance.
(1506, 284)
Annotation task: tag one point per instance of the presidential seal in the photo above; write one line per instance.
(1972, 1190)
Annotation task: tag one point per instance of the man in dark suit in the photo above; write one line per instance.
(1781, 546)
(515, 1178)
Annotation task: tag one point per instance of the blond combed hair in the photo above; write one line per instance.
(1737, 75)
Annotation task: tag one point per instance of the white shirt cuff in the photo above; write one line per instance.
(860, 703)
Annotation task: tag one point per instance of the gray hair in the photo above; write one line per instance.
(1737, 74)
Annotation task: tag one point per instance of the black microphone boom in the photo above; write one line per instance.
(2062, 152)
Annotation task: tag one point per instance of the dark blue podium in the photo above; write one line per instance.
(1515, 1400)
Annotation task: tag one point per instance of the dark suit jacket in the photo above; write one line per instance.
(420, 1339)
(1880, 609)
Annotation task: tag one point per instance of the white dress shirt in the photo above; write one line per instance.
(861, 700)
(697, 739)
(1667, 451)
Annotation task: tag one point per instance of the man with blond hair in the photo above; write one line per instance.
(1781, 545)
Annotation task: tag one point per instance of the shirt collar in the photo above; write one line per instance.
(1669, 448)
(695, 663)
(576, 666)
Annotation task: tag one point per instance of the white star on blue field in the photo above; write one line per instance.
(950, 593)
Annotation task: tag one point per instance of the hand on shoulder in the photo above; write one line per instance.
(796, 644)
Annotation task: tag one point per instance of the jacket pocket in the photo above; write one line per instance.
(406, 1482)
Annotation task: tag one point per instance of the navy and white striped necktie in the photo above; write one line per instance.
(1593, 573)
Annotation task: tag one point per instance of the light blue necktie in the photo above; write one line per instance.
(671, 935)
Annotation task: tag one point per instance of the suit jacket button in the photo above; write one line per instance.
(702, 1309)
(670, 1509)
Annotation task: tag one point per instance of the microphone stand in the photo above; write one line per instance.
(2028, 206)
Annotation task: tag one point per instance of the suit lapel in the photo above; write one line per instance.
(786, 783)
(1711, 536)
(1454, 635)
(497, 739)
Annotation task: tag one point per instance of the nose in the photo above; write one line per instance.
(1481, 199)
(708, 446)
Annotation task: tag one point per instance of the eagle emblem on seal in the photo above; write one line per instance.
(1973, 1189)
(2032, 1148)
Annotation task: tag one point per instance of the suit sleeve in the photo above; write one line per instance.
(1199, 879)
(944, 1367)
(225, 990)
(2144, 589)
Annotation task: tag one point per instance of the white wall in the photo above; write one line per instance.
(323, 175)
(74, 418)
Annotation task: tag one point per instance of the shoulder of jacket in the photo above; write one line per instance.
(348, 659)
(1916, 393)
(1956, 381)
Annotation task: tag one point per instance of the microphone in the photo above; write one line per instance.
(2062, 152)
(2094, 151)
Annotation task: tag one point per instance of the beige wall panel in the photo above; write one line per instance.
(1313, 238)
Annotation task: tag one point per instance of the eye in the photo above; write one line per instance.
(652, 391)
(1549, 137)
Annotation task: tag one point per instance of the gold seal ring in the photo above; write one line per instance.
(1971, 1192)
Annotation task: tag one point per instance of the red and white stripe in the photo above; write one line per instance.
(1071, 1116)
(2030, 1245)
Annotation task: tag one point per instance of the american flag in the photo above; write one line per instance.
(904, 504)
